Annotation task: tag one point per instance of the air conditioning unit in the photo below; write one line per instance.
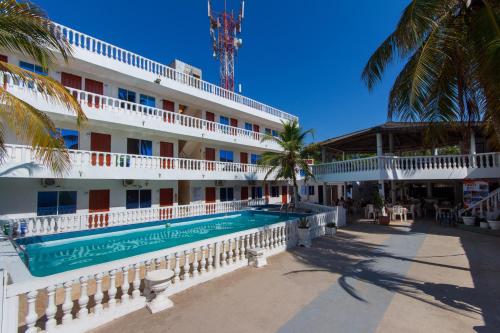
(128, 182)
(46, 182)
(219, 183)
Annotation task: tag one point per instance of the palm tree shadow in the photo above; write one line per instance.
(357, 262)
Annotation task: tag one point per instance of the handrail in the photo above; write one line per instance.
(24, 153)
(99, 47)
(491, 201)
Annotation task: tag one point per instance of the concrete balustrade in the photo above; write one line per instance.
(414, 167)
(54, 224)
(201, 261)
(102, 165)
(105, 54)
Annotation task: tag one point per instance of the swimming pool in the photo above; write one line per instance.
(47, 255)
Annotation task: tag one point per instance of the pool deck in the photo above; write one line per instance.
(368, 278)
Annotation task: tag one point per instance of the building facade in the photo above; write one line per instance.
(156, 136)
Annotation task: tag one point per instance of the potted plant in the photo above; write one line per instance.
(483, 223)
(378, 203)
(330, 229)
(468, 218)
(495, 224)
(303, 231)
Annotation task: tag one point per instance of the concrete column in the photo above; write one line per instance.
(391, 143)
(429, 190)
(393, 192)
(325, 201)
(379, 144)
(472, 143)
(381, 189)
(323, 155)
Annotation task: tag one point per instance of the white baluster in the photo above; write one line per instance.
(31, 317)
(136, 293)
(244, 245)
(222, 259)
(98, 296)
(210, 259)
(125, 285)
(195, 262)
(112, 289)
(203, 260)
(230, 252)
(84, 298)
(68, 303)
(51, 309)
(237, 249)
(177, 269)
(185, 275)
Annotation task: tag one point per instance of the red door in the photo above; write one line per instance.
(94, 87)
(166, 200)
(168, 106)
(71, 81)
(256, 129)
(167, 150)
(234, 123)
(244, 160)
(100, 143)
(210, 117)
(284, 194)
(210, 156)
(244, 193)
(98, 203)
(210, 199)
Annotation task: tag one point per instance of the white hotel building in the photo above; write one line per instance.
(156, 136)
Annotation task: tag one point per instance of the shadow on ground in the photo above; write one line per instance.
(356, 260)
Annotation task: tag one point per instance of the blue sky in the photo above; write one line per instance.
(304, 57)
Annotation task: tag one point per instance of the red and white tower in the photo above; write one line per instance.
(225, 29)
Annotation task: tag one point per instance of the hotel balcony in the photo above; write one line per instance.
(113, 111)
(444, 167)
(20, 161)
(112, 59)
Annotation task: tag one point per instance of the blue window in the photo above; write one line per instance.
(275, 191)
(70, 137)
(254, 158)
(268, 131)
(311, 190)
(275, 133)
(126, 95)
(54, 202)
(32, 68)
(256, 192)
(226, 156)
(248, 126)
(139, 147)
(226, 194)
(138, 199)
(224, 120)
(147, 100)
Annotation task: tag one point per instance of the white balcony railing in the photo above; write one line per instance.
(413, 167)
(101, 107)
(54, 224)
(129, 166)
(108, 51)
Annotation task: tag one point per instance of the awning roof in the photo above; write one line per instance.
(407, 136)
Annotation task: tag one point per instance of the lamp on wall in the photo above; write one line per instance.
(158, 80)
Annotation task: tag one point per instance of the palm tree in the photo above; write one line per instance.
(452, 70)
(25, 29)
(284, 165)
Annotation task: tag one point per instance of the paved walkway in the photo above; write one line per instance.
(369, 278)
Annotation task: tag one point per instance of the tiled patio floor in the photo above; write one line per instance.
(369, 278)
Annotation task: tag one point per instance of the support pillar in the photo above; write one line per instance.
(379, 144)
(472, 143)
(381, 189)
(391, 143)
(323, 155)
(429, 190)
(393, 192)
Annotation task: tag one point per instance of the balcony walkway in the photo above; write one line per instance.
(370, 278)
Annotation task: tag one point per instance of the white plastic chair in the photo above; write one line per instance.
(369, 210)
(398, 210)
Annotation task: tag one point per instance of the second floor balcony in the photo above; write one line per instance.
(105, 109)
(440, 167)
(21, 161)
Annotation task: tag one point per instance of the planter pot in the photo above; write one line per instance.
(384, 220)
(494, 225)
(304, 237)
(330, 231)
(483, 225)
(469, 220)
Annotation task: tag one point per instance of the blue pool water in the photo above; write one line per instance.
(46, 255)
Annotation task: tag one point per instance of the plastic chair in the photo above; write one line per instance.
(369, 210)
(398, 210)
